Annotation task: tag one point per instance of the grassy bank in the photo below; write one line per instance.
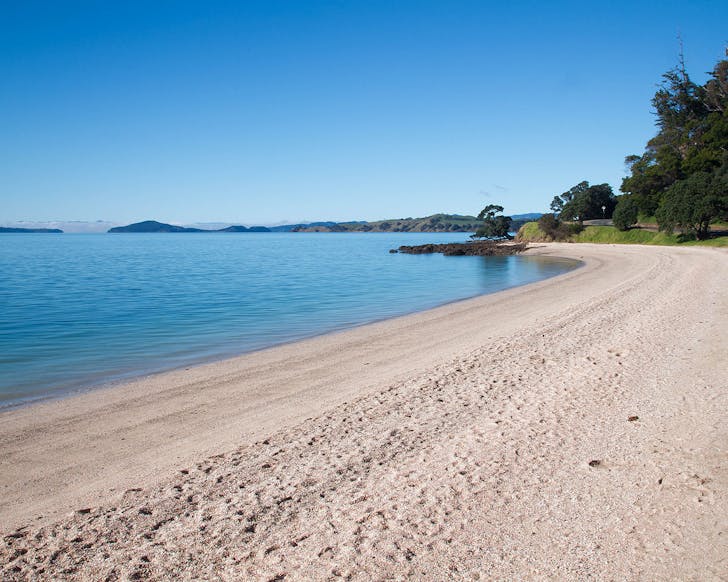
(530, 232)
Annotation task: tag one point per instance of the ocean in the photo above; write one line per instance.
(82, 310)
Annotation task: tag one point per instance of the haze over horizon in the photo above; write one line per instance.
(271, 113)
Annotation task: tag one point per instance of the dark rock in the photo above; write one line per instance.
(475, 248)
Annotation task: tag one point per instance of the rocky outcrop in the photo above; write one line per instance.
(475, 248)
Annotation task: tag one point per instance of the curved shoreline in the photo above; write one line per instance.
(117, 404)
(530, 370)
(160, 363)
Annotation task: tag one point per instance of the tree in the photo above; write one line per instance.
(584, 202)
(716, 89)
(692, 135)
(625, 214)
(558, 203)
(692, 204)
(494, 226)
(679, 105)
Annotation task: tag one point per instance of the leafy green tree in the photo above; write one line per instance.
(558, 203)
(716, 89)
(692, 136)
(584, 202)
(495, 225)
(692, 204)
(679, 105)
(625, 214)
(647, 182)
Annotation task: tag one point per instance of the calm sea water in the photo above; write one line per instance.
(81, 310)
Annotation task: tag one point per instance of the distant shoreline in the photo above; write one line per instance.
(434, 223)
(9, 230)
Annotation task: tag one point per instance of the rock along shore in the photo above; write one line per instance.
(475, 248)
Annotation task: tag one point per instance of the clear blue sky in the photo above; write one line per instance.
(262, 112)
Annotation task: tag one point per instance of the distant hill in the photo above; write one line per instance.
(242, 229)
(154, 226)
(299, 227)
(31, 230)
(434, 223)
(67, 226)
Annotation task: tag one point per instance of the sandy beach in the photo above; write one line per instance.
(576, 428)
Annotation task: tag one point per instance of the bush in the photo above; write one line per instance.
(625, 214)
(556, 229)
(548, 223)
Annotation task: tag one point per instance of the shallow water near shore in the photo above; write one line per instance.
(82, 310)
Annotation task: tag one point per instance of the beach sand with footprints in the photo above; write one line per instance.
(574, 428)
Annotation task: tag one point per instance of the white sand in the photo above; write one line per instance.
(453, 443)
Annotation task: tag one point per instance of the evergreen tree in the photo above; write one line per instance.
(585, 202)
(692, 140)
(494, 226)
(692, 204)
(625, 214)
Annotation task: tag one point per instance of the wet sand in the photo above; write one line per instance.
(492, 438)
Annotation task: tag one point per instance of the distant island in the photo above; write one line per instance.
(434, 223)
(154, 226)
(4, 229)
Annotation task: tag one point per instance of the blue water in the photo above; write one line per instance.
(81, 310)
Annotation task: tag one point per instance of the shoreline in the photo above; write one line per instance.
(115, 381)
(68, 455)
(94, 400)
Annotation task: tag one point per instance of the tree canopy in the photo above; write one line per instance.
(625, 214)
(691, 204)
(680, 175)
(585, 202)
(495, 225)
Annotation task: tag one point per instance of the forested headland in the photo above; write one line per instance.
(676, 190)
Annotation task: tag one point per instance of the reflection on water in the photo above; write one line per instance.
(511, 270)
